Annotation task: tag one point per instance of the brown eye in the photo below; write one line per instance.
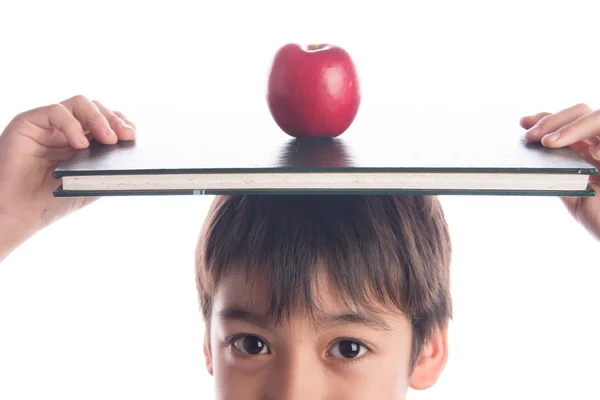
(348, 349)
(251, 345)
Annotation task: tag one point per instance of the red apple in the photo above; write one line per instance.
(313, 90)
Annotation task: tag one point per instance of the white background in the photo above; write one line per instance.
(103, 305)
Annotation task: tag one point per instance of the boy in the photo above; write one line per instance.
(324, 297)
(316, 297)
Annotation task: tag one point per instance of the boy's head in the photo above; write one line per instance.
(324, 297)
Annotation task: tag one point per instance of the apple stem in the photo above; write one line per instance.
(316, 47)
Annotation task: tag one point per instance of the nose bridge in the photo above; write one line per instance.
(296, 376)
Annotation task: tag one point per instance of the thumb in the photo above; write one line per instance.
(574, 203)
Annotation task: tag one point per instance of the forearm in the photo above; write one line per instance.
(13, 232)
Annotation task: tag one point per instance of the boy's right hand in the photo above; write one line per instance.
(32, 146)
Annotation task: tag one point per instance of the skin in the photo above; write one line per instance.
(303, 362)
(337, 354)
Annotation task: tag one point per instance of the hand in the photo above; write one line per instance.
(578, 127)
(32, 146)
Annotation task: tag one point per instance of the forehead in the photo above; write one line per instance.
(239, 297)
(254, 293)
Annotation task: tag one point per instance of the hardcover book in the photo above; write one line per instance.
(444, 153)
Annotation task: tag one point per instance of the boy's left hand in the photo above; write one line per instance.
(578, 127)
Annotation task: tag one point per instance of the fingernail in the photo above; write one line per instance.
(533, 132)
(126, 126)
(553, 137)
(110, 132)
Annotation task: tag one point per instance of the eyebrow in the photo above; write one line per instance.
(371, 321)
(241, 314)
(326, 321)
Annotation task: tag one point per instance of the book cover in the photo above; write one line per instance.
(449, 153)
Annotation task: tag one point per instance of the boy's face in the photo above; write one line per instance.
(337, 354)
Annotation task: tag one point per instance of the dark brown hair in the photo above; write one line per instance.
(378, 250)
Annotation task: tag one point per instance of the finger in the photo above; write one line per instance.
(551, 123)
(57, 116)
(571, 202)
(124, 118)
(530, 120)
(582, 128)
(590, 152)
(118, 125)
(91, 118)
(581, 147)
(595, 152)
